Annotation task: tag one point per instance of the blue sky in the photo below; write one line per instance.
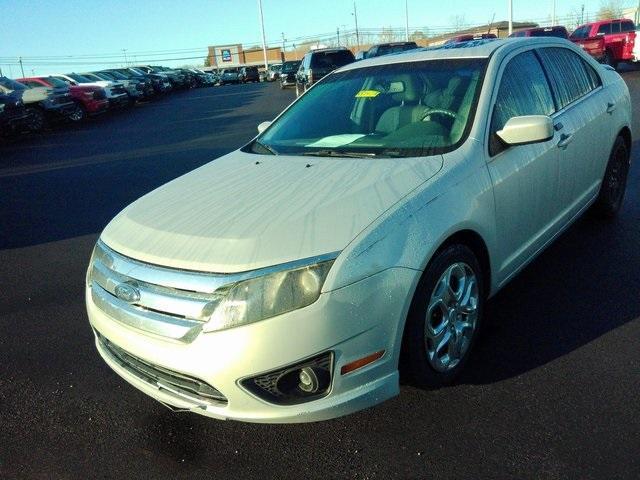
(77, 27)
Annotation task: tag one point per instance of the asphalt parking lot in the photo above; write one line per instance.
(552, 392)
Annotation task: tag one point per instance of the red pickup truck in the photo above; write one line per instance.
(609, 41)
(91, 99)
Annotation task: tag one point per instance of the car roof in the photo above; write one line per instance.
(483, 48)
(603, 22)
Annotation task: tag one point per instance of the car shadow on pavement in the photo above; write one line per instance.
(583, 286)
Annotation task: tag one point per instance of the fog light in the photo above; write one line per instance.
(308, 380)
(298, 383)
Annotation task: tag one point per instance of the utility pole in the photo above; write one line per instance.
(637, 13)
(283, 54)
(510, 17)
(406, 20)
(338, 34)
(355, 16)
(553, 13)
(264, 42)
(582, 15)
(21, 67)
(126, 62)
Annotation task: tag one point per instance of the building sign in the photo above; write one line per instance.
(226, 55)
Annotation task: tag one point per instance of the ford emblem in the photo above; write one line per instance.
(127, 292)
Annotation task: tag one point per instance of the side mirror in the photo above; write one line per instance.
(526, 129)
(263, 126)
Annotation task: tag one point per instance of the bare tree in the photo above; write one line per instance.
(387, 35)
(458, 22)
(610, 9)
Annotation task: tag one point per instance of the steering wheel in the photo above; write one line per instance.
(440, 111)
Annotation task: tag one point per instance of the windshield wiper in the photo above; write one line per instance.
(266, 147)
(339, 153)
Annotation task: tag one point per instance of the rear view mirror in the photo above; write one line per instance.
(526, 129)
(263, 126)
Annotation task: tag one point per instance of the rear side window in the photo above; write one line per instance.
(604, 29)
(628, 26)
(524, 90)
(570, 76)
(615, 27)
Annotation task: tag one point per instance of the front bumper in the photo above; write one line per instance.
(60, 111)
(119, 100)
(352, 322)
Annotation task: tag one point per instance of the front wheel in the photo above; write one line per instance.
(444, 319)
(78, 114)
(614, 182)
(610, 60)
(37, 120)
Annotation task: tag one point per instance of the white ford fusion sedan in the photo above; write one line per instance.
(360, 233)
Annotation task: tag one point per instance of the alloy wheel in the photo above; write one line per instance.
(452, 317)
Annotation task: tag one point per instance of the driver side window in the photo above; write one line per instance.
(524, 90)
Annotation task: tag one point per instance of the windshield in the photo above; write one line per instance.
(136, 72)
(56, 82)
(11, 84)
(290, 67)
(387, 49)
(115, 75)
(102, 76)
(79, 78)
(407, 109)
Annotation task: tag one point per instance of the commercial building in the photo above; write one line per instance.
(235, 55)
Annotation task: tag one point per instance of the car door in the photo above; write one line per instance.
(301, 76)
(582, 123)
(524, 177)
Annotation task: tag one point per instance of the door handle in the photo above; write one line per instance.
(565, 140)
(611, 107)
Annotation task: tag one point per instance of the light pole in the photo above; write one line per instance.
(553, 13)
(283, 54)
(21, 67)
(338, 34)
(126, 62)
(510, 17)
(406, 20)
(264, 42)
(355, 17)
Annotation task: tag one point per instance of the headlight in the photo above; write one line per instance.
(263, 297)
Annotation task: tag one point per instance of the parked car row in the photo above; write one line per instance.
(608, 41)
(30, 104)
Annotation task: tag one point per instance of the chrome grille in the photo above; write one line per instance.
(174, 382)
(168, 302)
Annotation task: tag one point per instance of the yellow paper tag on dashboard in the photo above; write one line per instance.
(367, 94)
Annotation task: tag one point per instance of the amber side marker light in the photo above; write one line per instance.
(350, 367)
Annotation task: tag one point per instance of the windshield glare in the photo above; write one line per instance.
(407, 109)
(56, 82)
(11, 84)
(79, 78)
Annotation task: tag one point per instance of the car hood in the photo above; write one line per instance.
(36, 94)
(245, 211)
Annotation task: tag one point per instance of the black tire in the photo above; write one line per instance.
(614, 182)
(415, 365)
(37, 121)
(78, 114)
(610, 60)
